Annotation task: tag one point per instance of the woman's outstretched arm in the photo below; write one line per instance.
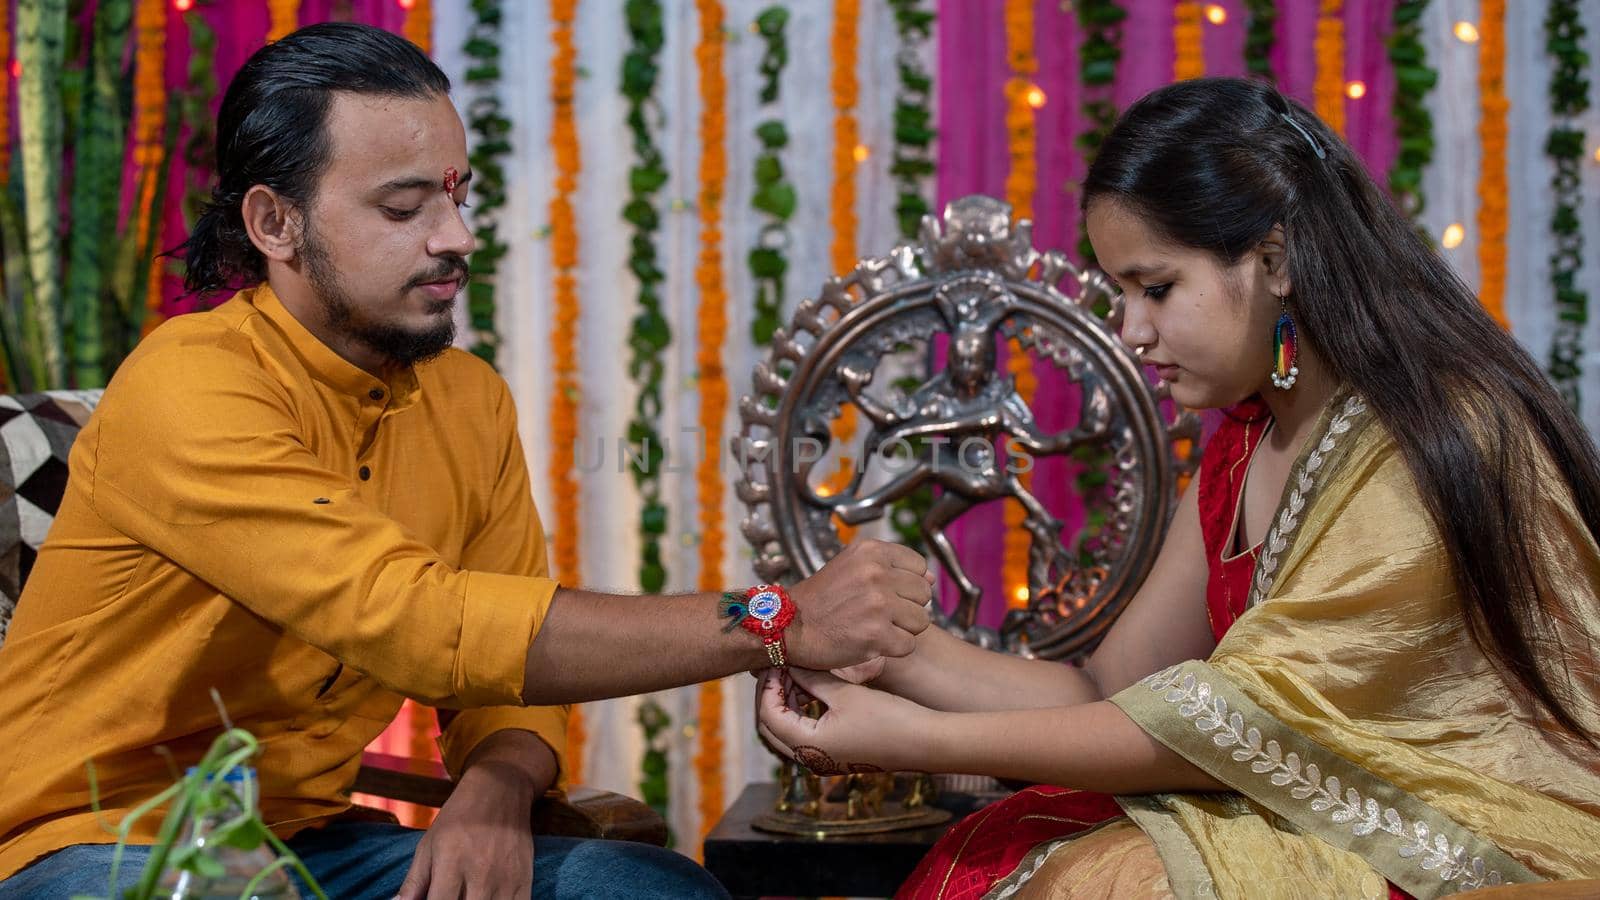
(1164, 624)
(1090, 746)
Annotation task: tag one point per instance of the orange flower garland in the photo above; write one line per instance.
(1021, 184)
(419, 24)
(150, 122)
(845, 46)
(1188, 41)
(564, 333)
(284, 17)
(713, 382)
(1328, 89)
(1493, 212)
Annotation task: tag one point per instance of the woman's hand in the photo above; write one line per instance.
(862, 730)
(863, 673)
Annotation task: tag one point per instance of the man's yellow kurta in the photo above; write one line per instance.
(249, 512)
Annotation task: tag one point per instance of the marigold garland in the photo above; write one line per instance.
(1328, 88)
(284, 18)
(844, 45)
(1021, 184)
(419, 24)
(713, 382)
(564, 333)
(1493, 192)
(1569, 98)
(1188, 40)
(150, 120)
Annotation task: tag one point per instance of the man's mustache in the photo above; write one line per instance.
(449, 268)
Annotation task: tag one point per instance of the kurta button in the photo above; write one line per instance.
(375, 393)
(365, 473)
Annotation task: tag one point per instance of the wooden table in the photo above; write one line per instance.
(752, 863)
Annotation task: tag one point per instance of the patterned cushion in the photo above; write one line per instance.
(36, 432)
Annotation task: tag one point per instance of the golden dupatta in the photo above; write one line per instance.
(1366, 734)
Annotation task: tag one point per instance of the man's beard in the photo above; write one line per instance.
(401, 346)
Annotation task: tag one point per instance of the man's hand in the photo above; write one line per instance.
(869, 601)
(481, 845)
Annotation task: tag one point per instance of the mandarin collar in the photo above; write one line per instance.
(398, 388)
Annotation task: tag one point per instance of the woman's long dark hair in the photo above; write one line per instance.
(272, 130)
(1214, 164)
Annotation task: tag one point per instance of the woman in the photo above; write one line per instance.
(1400, 513)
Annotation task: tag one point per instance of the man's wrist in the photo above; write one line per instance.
(765, 611)
(514, 760)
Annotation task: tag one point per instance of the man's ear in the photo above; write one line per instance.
(273, 223)
(1274, 254)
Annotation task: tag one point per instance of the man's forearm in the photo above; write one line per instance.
(594, 646)
(949, 674)
(1091, 747)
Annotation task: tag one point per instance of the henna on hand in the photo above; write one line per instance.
(820, 763)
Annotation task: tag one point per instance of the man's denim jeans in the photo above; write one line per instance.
(368, 861)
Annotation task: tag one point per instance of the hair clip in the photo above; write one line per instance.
(1305, 134)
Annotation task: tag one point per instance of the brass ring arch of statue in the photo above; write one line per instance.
(970, 278)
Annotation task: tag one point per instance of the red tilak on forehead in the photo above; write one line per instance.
(451, 179)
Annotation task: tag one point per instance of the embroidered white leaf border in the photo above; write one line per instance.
(1022, 878)
(1305, 781)
(1289, 517)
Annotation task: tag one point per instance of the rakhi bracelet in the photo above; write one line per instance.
(765, 610)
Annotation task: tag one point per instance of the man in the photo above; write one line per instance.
(305, 500)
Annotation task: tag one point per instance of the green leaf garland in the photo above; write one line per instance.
(647, 341)
(913, 164)
(1413, 124)
(491, 143)
(200, 89)
(650, 334)
(1260, 34)
(774, 195)
(914, 133)
(1569, 98)
(1098, 54)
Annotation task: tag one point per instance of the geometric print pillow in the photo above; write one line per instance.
(36, 433)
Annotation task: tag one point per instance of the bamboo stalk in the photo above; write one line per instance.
(41, 36)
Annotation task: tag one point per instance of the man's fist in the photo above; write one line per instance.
(869, 601)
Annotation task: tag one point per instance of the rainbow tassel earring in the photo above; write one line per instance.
(1284, 371)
